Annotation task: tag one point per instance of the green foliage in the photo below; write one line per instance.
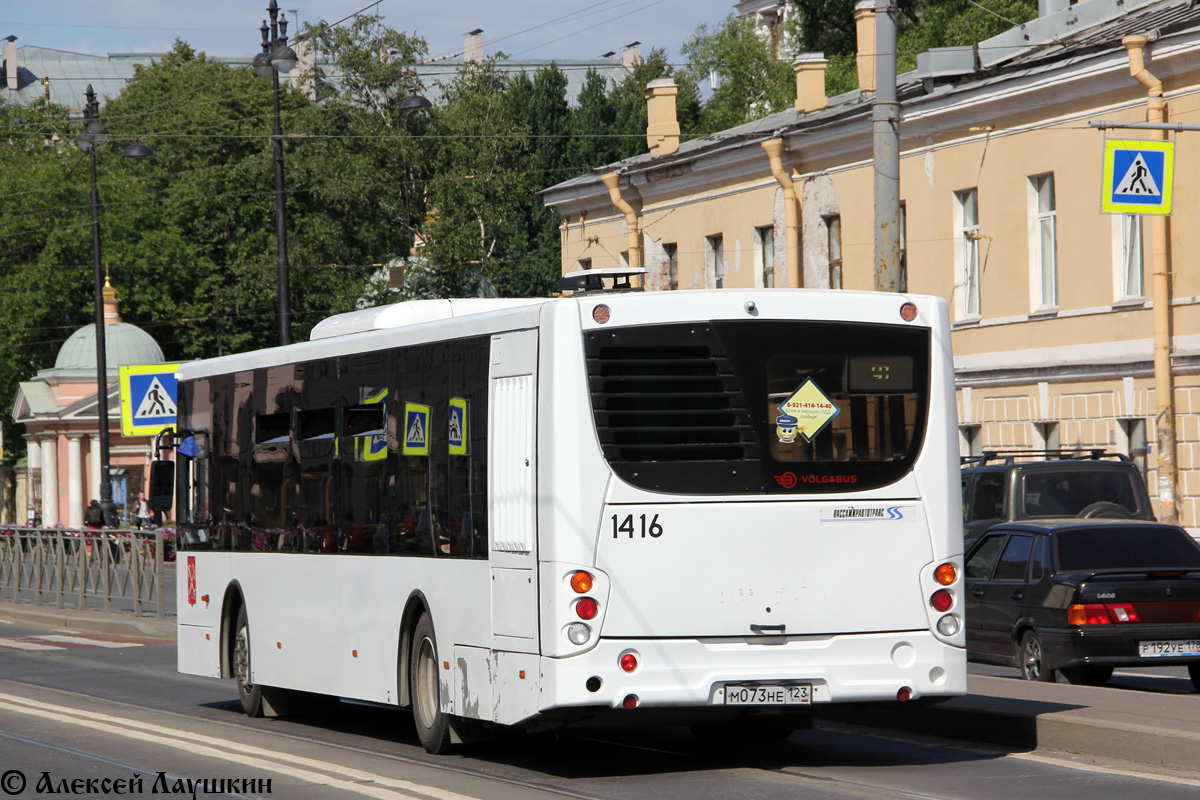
(753, 81)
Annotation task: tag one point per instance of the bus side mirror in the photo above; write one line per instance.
(162, 485)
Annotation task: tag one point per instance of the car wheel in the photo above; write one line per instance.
(248, 692)
(1104, 510)
(433, 726)
(1194, 673)
(1033, 666)
(1087, 676)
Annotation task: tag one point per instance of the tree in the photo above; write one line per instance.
(753, 80)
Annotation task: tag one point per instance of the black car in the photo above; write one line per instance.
(1081, 597)
(1007, 486)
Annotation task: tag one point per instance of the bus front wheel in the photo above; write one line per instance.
(248, 692)
(433, 726)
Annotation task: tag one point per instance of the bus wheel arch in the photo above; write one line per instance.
(416, 607)
(230, 606)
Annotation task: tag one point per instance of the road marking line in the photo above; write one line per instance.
(1065, 761)
(354, 780)
(59, 637)
(17, 644)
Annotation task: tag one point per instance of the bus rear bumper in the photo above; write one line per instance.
(698, 672)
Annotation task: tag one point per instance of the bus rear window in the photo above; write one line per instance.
(760, 406)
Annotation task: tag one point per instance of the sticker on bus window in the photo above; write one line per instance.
(811, 409)
(458, 426)
(416, 430)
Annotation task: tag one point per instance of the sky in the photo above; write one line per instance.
(520, 28)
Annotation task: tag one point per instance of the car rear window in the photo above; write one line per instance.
(1065, 494)
(1125, 547)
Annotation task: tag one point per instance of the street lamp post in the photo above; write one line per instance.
(277, 57)
(95, 134)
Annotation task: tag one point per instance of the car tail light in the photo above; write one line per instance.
(586, 608)
(1090, 614)
(945, 574)
(941, 600)
(629, 662)
(581, 582)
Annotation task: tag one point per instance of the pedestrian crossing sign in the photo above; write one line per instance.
(149, 398)
(1138, 176)
(416, 430)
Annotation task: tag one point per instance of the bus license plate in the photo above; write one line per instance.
(1176, 647)
(799, 694)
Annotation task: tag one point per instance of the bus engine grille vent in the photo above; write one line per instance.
(667, 401)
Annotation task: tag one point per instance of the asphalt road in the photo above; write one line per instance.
(80, 706)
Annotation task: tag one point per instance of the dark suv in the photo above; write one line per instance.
(1006, 486)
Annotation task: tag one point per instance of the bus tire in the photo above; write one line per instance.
(249, 693)
(433, 726)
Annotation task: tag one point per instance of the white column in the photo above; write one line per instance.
(50, 479)
(94, 476)
(74, 480)
(34, 451)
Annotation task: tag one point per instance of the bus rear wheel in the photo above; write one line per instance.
(249, 693)
(433, 726)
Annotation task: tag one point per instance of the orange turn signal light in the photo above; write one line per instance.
(945, 574)
(581, 582)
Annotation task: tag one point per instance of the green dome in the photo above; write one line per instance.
(124, 345)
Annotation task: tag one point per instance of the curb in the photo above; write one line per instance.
(118, 623)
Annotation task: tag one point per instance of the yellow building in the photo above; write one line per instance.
(1001, 183)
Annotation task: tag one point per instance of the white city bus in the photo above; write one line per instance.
(713, 508)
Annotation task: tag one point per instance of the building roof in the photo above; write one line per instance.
(124, 345)
(1038, 46)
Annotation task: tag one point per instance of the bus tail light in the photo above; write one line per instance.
(941, 600)
(908, 312)
(581, 582)
(904, 695)
(949, 625)
(946, 574)
(587, 608)
(629, 662)
(578, 633)
(631, 701)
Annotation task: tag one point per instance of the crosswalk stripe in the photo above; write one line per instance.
(17, 644)
(57, 637)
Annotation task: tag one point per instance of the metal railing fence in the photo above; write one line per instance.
(113, 570)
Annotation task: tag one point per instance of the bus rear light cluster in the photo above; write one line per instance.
(941, 600)
(586, 608)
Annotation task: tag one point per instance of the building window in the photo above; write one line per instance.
(714, 258)
(1133, 282)
(902, 283)
(624, 259)
(764, 254)
(585, 263)
(967, 292)
(671, 251)
(1045, 258)
(833, 234)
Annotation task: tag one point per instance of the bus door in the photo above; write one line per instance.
(512, 483)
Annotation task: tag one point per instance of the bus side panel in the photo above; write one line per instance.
(307, 634)
(937, 467)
